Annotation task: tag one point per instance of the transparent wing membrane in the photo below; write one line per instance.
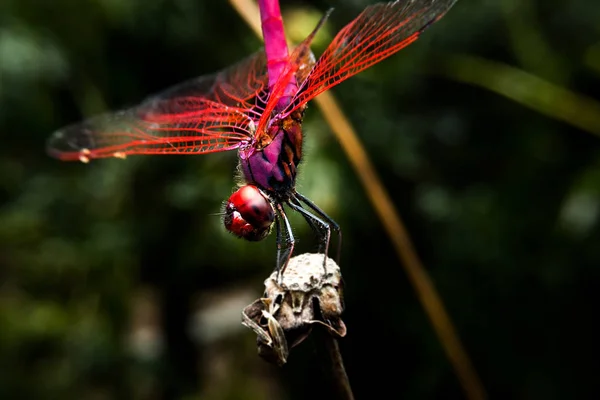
(203, 115)
(378, 32)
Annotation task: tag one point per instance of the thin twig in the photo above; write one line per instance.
(418, 276)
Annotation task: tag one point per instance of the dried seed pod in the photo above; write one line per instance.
(309, 293)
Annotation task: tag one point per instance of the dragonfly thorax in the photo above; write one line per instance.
(249, 213)
(273, 167)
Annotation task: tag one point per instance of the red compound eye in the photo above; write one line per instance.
(249, 213)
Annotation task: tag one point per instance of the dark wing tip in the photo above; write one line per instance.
(68, 141)
(76, 141)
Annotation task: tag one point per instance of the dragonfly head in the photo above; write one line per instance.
(249, 213)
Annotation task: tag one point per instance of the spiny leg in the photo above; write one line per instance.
(320, 227)
(278, 240)
(313, 225)
(327, 218)
(285, 242)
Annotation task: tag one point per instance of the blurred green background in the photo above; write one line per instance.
(118, 281)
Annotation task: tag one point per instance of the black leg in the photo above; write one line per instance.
(327, 218)
(285, 242)
(278, 239)
(321, 227)
(313, 224)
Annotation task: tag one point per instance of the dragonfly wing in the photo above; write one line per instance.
(237, 85)
(201, 128)
(378, 32)
(203, 115)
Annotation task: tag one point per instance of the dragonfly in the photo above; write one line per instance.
(255, 107)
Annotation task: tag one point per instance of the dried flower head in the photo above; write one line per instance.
(309, 293)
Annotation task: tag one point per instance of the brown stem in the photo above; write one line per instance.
(332, 360)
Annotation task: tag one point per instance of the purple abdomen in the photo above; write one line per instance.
(274, 167)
